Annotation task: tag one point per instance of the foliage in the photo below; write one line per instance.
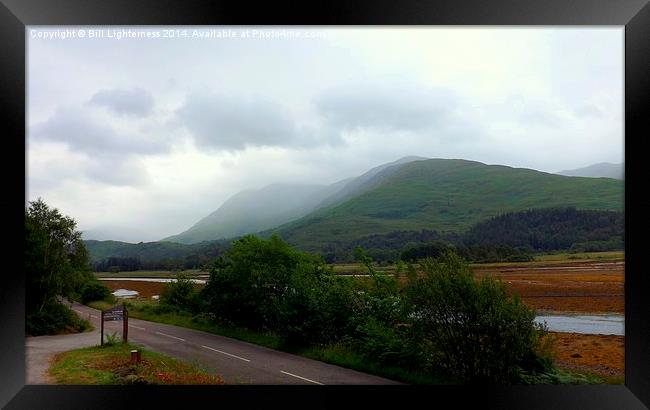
(152, 255)
(56, 261)
(111, 339)
(551, 229)
(427, 250)
(54, 318)
(469, 328)
(56, 265)
(247, 284)
(317, 309)
(94, 290)
(180, 294)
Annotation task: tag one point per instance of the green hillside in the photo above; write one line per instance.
(147, 251)
(448, 195)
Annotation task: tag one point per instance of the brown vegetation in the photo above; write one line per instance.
(603, 355)
(587, 287)
(146, 289)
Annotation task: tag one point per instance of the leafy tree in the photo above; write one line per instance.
(267, 285)
(471, 330)
(180, 295)
(247, 284)
(56, 260)
(94, 290)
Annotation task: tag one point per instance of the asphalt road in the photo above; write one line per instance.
(236, 361)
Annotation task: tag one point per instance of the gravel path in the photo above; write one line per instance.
(40, 350)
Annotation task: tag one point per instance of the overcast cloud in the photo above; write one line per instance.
(137, 139)
(135, 101)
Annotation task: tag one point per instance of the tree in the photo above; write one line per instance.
(471, 330)
(56, 260)
(180, 294)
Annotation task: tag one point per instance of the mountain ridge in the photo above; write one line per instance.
(255, 210)
(447, 195)
(599, 170)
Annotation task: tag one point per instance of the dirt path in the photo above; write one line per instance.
(40, 350)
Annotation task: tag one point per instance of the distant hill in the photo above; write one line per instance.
(253, 211)
(149, 251)
(446, 195)
(600, 170)
(256, 210)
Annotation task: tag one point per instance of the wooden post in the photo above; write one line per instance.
(125, 323)
(135, 356)
(102, 333)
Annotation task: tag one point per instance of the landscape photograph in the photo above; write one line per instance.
(306, 205)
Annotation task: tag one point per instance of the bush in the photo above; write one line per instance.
(93, 291)
(470, 329)
(54, 318)
(316, 310)
(388, 344)
(180, 295)
(249, 282)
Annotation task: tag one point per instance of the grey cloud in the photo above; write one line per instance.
(85, 134)
(135, 102)
(117, 171)
(540, 117)
(537, 113)
(406, 108)
(588, 111)
(217, 121)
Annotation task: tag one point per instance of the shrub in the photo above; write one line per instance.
(54, 318)
(316, 310)
(470, 329)
(93, 291)
(111, 339)
(180, 295)
(388, 344)
(249, 282)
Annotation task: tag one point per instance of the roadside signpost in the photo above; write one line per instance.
(117, 312)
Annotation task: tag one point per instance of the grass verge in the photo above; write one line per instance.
(110, 364)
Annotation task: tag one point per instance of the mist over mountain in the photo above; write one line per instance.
(253, 211)
(600, 170)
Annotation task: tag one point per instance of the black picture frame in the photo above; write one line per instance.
(633, 14)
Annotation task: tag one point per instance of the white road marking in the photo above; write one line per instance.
(78, 311)
(96, 317)
(300, 377)
(227, 354)
(173, 337)
(137, 327)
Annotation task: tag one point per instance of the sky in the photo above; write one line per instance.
(137, 133)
